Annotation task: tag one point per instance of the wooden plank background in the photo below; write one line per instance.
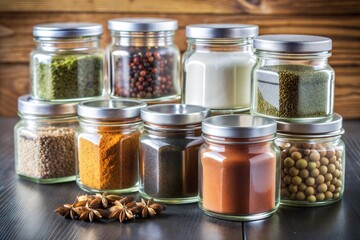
(337, 19)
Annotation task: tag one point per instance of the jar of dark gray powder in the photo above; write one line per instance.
(169, 152)
(44, 141)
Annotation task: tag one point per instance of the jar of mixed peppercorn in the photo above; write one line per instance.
(144, 61)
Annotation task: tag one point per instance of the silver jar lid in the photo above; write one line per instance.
(174, 114)
(110, 110)
(321, 127)
(292, 43)
(142, 24)
(67, 29)
(219, 30)
(27, 105)
(238, 126)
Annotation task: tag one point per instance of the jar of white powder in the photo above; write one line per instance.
(217, 66)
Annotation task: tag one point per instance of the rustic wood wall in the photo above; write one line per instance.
(338, 19)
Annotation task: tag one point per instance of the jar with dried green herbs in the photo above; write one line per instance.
(45, 141)
(67, 63)
(312, 162)
(292, 80)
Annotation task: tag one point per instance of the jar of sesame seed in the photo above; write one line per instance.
(44, 141)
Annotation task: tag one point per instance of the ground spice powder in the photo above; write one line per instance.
(238, 179)
(111, 163)
(47, 153)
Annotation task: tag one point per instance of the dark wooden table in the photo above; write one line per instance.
(26, 209)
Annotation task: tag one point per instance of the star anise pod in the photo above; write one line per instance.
(103, 200)
(111, 198)
(127, 199)
(85, 197)
(68, 211)
(123, 211)
(149, 208)
(89, 214)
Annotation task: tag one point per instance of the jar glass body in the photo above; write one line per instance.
(312, 170)
(108, 156)
(292, 87)
(67, 69)
(144, 65)
(169, 164)
(239, 178)
(217, 74)
(45, 148)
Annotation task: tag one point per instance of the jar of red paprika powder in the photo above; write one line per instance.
(239, 168)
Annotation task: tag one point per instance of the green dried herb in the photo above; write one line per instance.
(67, 77)
(294, 91)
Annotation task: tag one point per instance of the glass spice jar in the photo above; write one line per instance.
(67, 63)
(44, 141)
(239, 168)
(217, 66)
(144, 61)
(108, 145)
(169, 152)
(292, 80)
(312, 162)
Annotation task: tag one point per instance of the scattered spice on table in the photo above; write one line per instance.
(111, 162)
(68, 76)
(50, 153)
(111, 206)
(299, 91)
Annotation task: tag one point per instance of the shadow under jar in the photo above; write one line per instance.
(44, 141)
(108, 145)
(217, 66)
(292, 80)
(169, 152)
(144, 61)
(67, 63)
(312, 162)
(239, 168)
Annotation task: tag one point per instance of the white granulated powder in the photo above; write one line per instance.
(218, 80)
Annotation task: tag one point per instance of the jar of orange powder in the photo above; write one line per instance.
(239, 168)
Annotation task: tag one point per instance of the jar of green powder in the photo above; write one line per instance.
(67, 63)
(292, 80)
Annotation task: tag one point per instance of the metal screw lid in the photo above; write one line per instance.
(321, 127)
(218, 30)
(27, 105)
(292, 43)
(110, 110)
(67, 29)
(174, 114)
(142, 24)
(238, 126)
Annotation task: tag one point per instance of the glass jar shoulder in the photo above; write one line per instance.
(182, 141)
(233, 154)
(207, 58)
